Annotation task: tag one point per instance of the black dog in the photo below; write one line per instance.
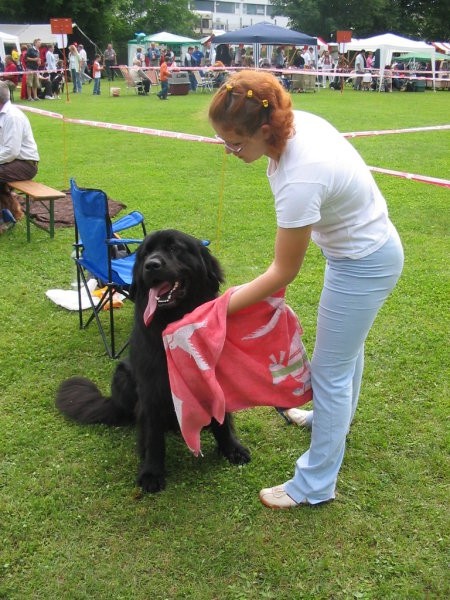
(173, 274)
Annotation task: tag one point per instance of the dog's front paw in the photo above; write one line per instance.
(151, 483)
(236, 453)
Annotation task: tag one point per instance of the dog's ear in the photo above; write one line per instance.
(213, 267)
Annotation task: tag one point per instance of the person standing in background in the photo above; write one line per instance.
(110, 57)
(97, 69)
(50, 59)
(360, 65)
(164, 78)
(74, 67)
(33, 62)
(85, 78)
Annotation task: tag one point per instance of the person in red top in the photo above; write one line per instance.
(11, 80)
(23, 62)
(164, 77)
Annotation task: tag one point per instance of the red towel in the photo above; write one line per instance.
(219, 363)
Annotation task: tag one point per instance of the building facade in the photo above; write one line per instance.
(224, 15)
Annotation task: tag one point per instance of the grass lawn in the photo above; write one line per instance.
(71, 523)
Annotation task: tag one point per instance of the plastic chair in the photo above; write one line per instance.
(366, 82)
(204, 82)
(101, 254)
(152, 74)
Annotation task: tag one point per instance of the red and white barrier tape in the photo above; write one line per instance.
(198, 138)
(353, 134)
(128, 128)
(422, 178)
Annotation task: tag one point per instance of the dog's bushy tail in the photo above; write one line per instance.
(80, 399)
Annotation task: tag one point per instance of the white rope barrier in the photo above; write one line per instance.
(198, 138)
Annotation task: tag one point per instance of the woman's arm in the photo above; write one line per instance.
(290, 250)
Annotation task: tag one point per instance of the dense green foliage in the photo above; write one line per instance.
(424, 19)
(106, 21)
(117, 21)
(71, 524)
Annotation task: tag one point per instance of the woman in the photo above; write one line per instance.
(75, 67)
(323, 190)
(23, 64)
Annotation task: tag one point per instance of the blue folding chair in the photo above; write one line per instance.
(101, 254)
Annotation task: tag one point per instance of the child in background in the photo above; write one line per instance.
(97, 69)
(164, 77)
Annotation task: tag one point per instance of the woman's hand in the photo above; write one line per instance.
(290, 250)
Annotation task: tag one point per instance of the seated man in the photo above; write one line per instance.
(19, 155)
(139, 76)
(10, 75)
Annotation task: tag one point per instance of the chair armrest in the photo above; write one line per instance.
(131, 220)
(123, 241)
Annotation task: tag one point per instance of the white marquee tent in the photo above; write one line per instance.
(163, 38)
(10, 41)
(28, 33)
(388, 43)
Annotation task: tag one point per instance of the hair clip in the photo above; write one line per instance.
(265, 103)
(229, 87)
(249, 93)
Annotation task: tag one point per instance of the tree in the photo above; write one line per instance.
(424, 19)
(152, 16)
(96, 17)
(105, 21)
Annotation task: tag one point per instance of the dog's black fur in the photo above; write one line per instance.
(140, 389)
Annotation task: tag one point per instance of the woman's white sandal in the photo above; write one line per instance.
(276, 498)
(302, 418)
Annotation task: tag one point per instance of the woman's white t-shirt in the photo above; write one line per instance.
(322, 181)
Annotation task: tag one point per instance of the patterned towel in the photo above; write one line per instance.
(219, 363)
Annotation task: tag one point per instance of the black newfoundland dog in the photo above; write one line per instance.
(173, 274)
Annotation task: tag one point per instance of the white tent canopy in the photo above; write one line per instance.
(163, 37)
(10, 40)
(28, 33)
(387, 44)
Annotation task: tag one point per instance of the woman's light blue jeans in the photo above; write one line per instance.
(353, 293)
(76, 81)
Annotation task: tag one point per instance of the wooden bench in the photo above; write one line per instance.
(37, 192)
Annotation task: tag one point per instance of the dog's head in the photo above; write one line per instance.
(173, 274)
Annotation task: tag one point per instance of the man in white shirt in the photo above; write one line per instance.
(19, 156)
(360, 64)
(307, 57)
(50, 59)
(83, 64)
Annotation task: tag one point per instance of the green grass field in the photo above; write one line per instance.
(71, 523)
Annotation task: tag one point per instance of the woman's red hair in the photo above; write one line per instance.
(249, 99)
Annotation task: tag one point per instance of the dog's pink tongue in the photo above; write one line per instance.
(151, 306)
(152, 303)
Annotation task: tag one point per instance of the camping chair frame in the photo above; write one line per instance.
(204, 82)
(131, 81)
(108, 278)
(153, 75)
